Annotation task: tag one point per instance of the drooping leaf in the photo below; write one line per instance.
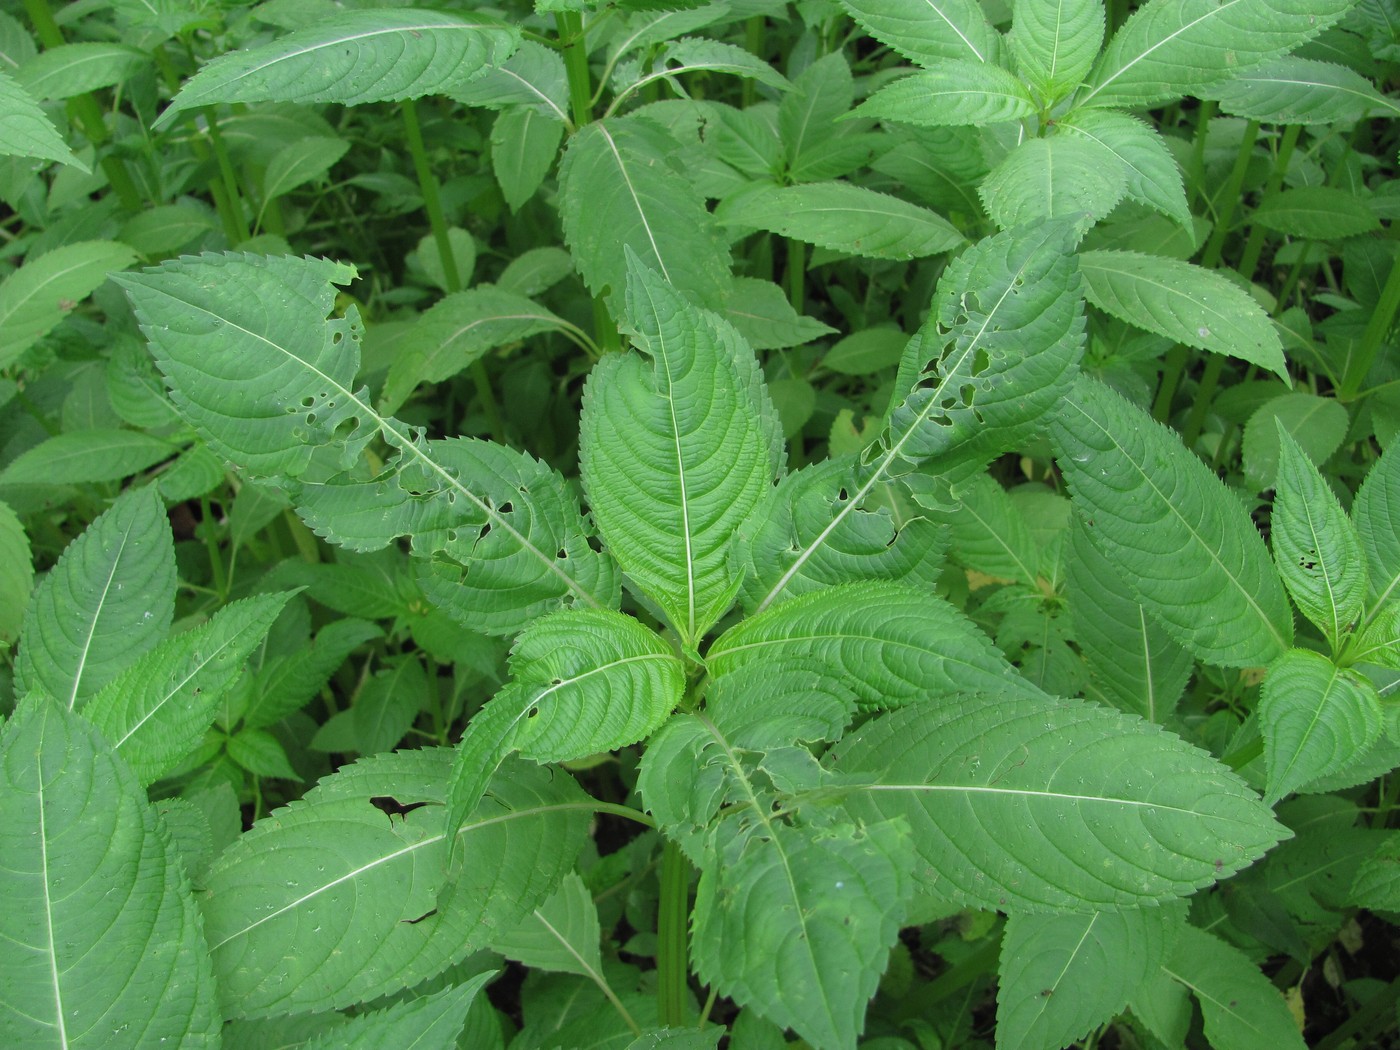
(300, 162)
(1323, 213)
(760, 310)
(387, 704)
(1316, 717)
(372, 55)
(1316, 547)
(1052, 178)
(1052, 806)
(490, 522)
(99, 939)
(892, 645)
(929, 33)
(1153, 176)
(25, 131)
(1317, 424)
(82, 457)
(617, 187)
(109, 599)
(1241, 1008)
(1293, 90)
(1062, 975)
(72, 69)
(533, 75)
(843, 217)
(155, 711)
(432, 1022)
(694, 54)
(677, 448)
(16, 573)
(523, 147)
(37, 296)
(560, 934)
(1181, 540)
(989, 534)
(955, 92)
(1055, 43)
(1170, 48)
(331, 901)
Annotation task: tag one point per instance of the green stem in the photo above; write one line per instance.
(1377, 328)
(796, 271)
(672, 915)
(211, 545)
(575, 50)
(1198, 150)
(1375, 1017)
(626, 812)
(1254, 246)
(1229, 197)
(754, 28)
(235, 196)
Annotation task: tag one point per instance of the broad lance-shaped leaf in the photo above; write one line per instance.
(1376, 512)
(582, 681)
(1153, 177)
(16, 572)
(1054, 178)
(1316, 546)
(929, 31)
(109, 599)
(890, 644)
(26, 131)
(1241, 1008)
(354, 57)
(256, 368)
(37, 296)
(1170, 48)
(677, 448)
(1181, 539)
(1000, 348)
(1055, 43)
(561, 934)
(1316, 718)
(431, 1022)
(1294, 90)
(1063, 975)
(332, 901)
(953, 93)
(99, 937)
(618, 186)
(1054, 806)
(71, 69)
(156, 711)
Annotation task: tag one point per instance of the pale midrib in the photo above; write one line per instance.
(1319, 704)
(1224, 6)
(976, 789)
(636, 201)
(544, 318)
(1220, 1004)
(48, 909)
(39, 289)
(1374, 100)
(536, 91)
(412, 449)
(960, 34)
(1319, 544)
(1224, 322)
(86, 647)
(172, 692)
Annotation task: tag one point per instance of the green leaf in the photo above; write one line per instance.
(159, 231)
(25, 131)
(489, 521)
(462, 249)
(261, 754)
(990, 535)
(99, 939)
(760, 310)
(956, 92)
(330, 901)
(86, 456)
(1316, 546)
(1059, 177)
(353, 57)
(1294, 90)
(1241, 1008)
(1053, 806)
(1377, 882)
(1135, 663)
(156, 711)
(677, 448)
(432, 1022)
(285, 683)
(1055, 43)
(582, 681)
(1184, 543)
(37, 296)
(1153, 176)
(1317, 424)
(300, 162)
(892, 645)
(1186, 303)
(679, 1039)
(1376, 511)
(930, 33)
(797, 923)
(387, 705)
(617, 187)
(808, 128)
(1315, 717)
(534, 76)
(1062, 975)
(523, 147)
(690, 54)
(16, 573)
(1322, 213)
(109, 599)
(1170, 48)
(843, 217)
(73, 69)
(865, 352)
(560, 935)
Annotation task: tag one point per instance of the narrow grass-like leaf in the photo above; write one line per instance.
(618, 187)
(156, 711)
(1053, 806)
(929, 31)
(1316, 547)
(16, 573)
(1062, 975)
(1051, 178)
(109, 599)
(1293, 90)
(25, 131)
(1055, 43)
(1315, 717)
(677, 449)
(37, 296)
(1153, 176)
(354, 57)
(845, 218)
(331, 901)
(99, 938)
(1170, 48)
(87, 456)
(892, 645)
(1180, 538)
(1241, 1008)
(431, 1022)
(954, 93)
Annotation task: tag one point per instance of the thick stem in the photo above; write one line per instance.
(673, 912)
(796, 272)
(1377, 328)
(575, 50)
(239, 222)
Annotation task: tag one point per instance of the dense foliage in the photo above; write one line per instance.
(661, 522)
